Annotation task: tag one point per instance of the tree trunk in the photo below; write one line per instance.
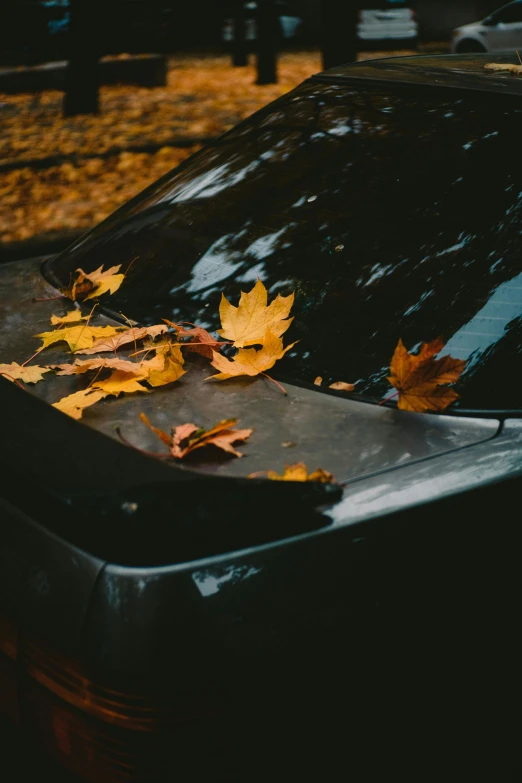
(239, 49)
(267, 39)
(82, 79)
(339, 32)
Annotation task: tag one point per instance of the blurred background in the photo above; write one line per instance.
(98, 98)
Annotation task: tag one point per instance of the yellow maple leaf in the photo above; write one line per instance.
(80, 366)
(105, 281)
(121, 383)
(171, 370)
(248, 323)
(87, 285)
(74, 404)
(511, 67)
(73, 317)
(131, 335)
(250, 361)
(421, 380)
(77, 337)
(31, 374)
(298, 472)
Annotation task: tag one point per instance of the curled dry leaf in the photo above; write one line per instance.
(73, 317)
(188, 437)
(298, 472)
(250, 361)
(87, 285)
(201, 341)
(79, 366)
(119, 338)
(338, 385)
(421, 380)
(17, 372)
(512, 68)
(74, 404)
(342, 386)
(78, 338)
(248, 323)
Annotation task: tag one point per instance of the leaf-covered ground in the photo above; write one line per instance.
(204, 97)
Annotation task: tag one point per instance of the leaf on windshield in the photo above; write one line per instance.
(27, 374)
(188, 437)
(421, 380)
(297, 472)
(78, 338)
(337, 385)
(248, 323)
(249, 361)
(512, 68)
(87, 285)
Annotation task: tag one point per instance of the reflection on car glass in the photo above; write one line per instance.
(371, 205)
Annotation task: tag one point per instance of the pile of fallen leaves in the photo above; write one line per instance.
(204, 97)
(253, 330)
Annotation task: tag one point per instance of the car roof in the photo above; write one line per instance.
(461, 71)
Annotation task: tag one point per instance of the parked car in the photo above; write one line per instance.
(391, 21)
(159, 620)
(500, 31)
(291, 24)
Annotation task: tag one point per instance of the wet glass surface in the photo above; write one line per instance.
(391, 213)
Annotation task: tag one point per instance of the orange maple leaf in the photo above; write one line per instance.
(188, 437)
(421, 380)
(298, 472)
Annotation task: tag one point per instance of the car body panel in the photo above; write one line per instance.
(386, 24)
(401, 590)
(350, 438)
(500, 31)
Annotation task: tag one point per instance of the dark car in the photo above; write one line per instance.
(163, 619)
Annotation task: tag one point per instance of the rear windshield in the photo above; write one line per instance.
(390, 215)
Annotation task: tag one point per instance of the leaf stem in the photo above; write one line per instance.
(391, 397)
(276, 382)
(14, 380)
(137, 448)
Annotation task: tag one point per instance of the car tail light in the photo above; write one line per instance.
(101, 733)
(413, 14)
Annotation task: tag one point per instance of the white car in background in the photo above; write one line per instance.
(290, 23)
(499, 31)
(387, 20)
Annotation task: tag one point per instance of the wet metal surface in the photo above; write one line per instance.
(349, 438)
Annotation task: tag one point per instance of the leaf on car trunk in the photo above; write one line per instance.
(118, 339)
(74, 404)
(512, 68)
(78, 338)
(188, 437)
(27, 374)
(249, 361)
(73, 317)
(297, 472)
